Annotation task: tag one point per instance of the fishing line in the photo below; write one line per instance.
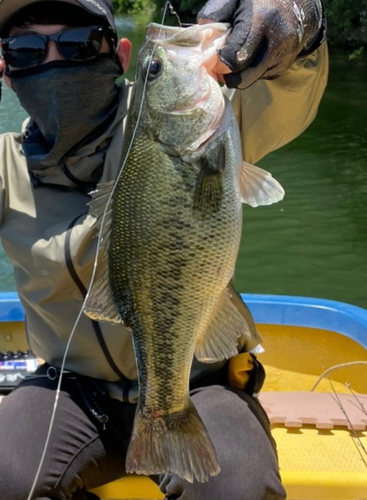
(336, 367)
(358, 402)
(99, 241)
(357, 440)
(174, 13)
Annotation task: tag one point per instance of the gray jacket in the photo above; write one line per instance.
(49, 237)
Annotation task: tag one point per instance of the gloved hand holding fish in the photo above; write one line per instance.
(267, 35)
(171, 239)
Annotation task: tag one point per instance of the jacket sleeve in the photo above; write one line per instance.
(272, 113)
(12, 163)
(3, 178)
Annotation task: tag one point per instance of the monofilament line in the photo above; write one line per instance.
(357, 441)
(358, 403)
(62, 368)
(336, 367)
(174, 13)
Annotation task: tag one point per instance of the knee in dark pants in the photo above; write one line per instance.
(85, 495)
(91, 496)
(13, 485)
(240, 490)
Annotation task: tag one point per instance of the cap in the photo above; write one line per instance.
(101, 8)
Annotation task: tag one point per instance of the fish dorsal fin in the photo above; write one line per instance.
(258, 187)
(100, 305)
(100, 198)
(228, 332)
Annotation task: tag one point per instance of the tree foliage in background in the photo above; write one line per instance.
(187, 8)
(133, 6)
(346, 19)
(347, 22)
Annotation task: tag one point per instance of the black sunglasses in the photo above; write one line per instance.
(77, 44)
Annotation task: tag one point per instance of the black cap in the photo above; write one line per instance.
(102, 8)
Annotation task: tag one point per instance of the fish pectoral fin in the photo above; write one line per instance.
(100, 305)
(258, 187)
(231, 330)
(209, 184)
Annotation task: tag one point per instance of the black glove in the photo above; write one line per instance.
(267, 35)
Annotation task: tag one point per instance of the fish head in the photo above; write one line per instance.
(181, 98)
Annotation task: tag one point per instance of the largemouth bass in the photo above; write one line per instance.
(174, 234)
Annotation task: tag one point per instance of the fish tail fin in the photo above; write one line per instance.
(178, 443)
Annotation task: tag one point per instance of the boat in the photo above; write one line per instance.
(315, 393)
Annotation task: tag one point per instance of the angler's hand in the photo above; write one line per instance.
(267, 35)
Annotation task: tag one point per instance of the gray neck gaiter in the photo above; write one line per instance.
(69, 104)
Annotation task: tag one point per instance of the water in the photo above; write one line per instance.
(314, 243)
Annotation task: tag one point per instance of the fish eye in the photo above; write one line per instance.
(154, 68)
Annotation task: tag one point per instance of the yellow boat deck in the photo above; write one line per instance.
(318, 463)
(315, 464)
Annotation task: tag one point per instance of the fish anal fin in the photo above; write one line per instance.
(177, 442)
(258, 187)
(220, 339)
(230, 330)
(249, 339)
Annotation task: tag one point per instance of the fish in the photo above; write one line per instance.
(171, 240)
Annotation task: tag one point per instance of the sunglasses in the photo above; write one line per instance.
(77, 44)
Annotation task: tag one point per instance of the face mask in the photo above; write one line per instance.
(68, 102)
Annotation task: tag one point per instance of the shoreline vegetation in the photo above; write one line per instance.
(346, 19)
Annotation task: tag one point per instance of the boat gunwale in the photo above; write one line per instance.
(309, 312)
(296, 311)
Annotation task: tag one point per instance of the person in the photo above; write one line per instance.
(62, 59)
